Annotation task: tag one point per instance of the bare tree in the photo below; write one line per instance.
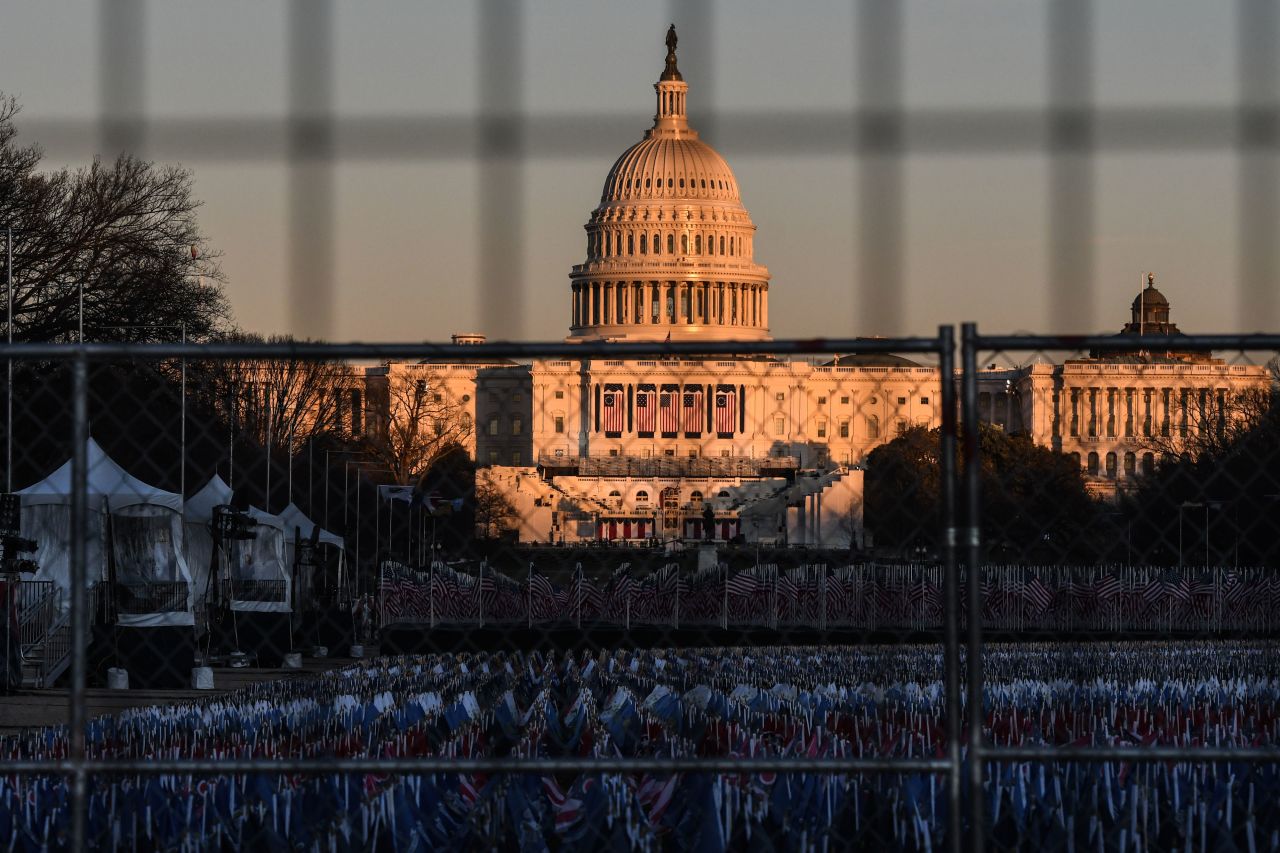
(124, 234)
(413, 425)
(1207, 422)
(275, 400)
(494, 513)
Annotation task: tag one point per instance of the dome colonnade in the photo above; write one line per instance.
(670, 246)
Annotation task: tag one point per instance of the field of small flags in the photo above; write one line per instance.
(870, 596)
(811, 702)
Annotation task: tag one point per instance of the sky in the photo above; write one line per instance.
(407, 245)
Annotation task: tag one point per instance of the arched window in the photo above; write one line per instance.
(695, 499)
(1075, 458)
(631, 244)
(684, 244)
(722, 244)
(1093, 463)
(615, 498)
(657, 244)
(724, 493)
(668, 183)
(1148, 463)
(1111, 465)
(697, 244)
(1130, 464)
(644, 244)
(711, 244)
(682, 183)
(647, 182)
(704, 183)
(642, 497)
(873, 426)
(671, 244)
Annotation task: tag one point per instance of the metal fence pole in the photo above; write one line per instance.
(951, 593)
(79, 597)
(973, 569)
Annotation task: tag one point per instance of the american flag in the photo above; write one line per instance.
(1038, 595)
(1107, 587)
(646, 410)
(614, 411)
(542, 597)
(670, 414)
(691, 405)
(726, 410)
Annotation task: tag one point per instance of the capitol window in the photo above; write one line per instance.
(844, 400)
(822, 401)
(873, 427)
(671, 244)
(780, 397)
(517, 426)
(722, 244)
(682, 183)
(559, 423)
(657, 244)
(684, 244)
(822, 429)
(642, 497)
(844, 429)
(560, 394)
(644, 244)
(779, 426)
(493, 425)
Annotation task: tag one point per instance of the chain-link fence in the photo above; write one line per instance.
(573, 633)
(720, 672)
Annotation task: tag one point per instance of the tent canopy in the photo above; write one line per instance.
(294, 517)
(106, 481)
(199, 507)
(266, 519)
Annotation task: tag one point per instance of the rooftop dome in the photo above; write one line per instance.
(670, 167)
(1149, 296)
(670, 252)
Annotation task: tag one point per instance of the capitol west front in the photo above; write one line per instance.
(762, 448)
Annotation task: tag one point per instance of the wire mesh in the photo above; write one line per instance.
(879, 618)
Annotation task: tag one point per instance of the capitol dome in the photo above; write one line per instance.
(670, 252)
(670, 167)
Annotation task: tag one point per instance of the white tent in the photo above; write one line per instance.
(297, 523)
(262, 560)
(146, 536)
(197, 515)
(293, 517)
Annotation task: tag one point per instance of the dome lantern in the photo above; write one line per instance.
(672, 91)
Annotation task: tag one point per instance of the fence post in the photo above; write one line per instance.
(79, 598)
(951, 593)
(973, 559)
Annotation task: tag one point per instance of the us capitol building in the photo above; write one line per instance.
(764, 448)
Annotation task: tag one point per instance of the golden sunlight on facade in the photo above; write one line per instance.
(762, 448)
